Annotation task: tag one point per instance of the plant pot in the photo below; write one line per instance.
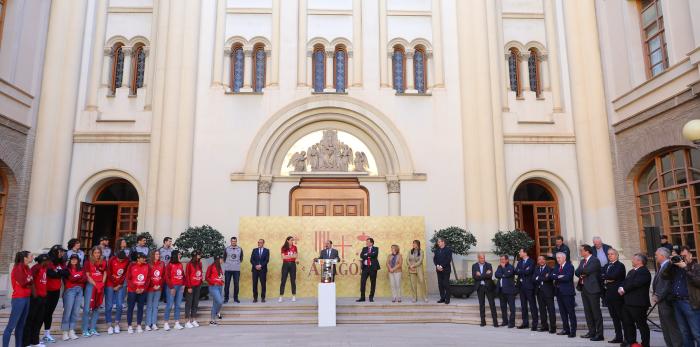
(461, 290)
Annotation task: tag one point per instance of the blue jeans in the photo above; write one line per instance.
(217, 300)
(72, 298)
(89, 316)
(173, 300)
(152, 300)
(688, 321)
(18, 316)
(228, 275)
(113, 297)
(135, 299)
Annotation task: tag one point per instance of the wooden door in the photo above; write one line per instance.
(333, 207)
(329, 197)
(540, 220)
(127, 219)
(86, 226)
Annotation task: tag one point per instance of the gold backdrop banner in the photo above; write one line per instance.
(348, 235)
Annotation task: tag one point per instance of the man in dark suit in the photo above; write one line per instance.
(600, 251)
(566, 294)
(588, 273)
(613, 277)
(370, 266)
(329, 253)
(663, 297)
(560, 247)
(544, 291)
(505, 273)
(259, 258)
(635, 292)
(443, 266)
(482, 272)
(524, 269)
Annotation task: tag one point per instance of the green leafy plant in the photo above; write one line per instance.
(458, 239)
(131, 240)
(511, 241)
(463, 281)
(204, 238)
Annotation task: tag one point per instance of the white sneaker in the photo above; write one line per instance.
(65, 336)
(294, 298)
(280, 300)
(155, 326)
(41, 344)
(188, 325)
(139, 329)
(116, 329)
(110, 331)
(195, 323)
(148, 328)
(130, 330)
(72, 335)
(166, 326)
(178, 326)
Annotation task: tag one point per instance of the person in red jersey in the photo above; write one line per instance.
(56, 272)
(96, 275)
(137, 280)
(215, 279)
(155, 288)
(289, 267)
(193, 283)
(21, 278)
(72, 297)
(175, 279)
(115, 290)
(37, 302)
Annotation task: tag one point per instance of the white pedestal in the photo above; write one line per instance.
(326, 304)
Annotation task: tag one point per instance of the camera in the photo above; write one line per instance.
(676, 259)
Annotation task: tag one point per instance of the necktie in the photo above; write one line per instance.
(561, 268)
(329, 253)
(369, 251)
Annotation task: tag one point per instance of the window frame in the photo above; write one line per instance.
(661, 33)
(318, 48)
(401, 49)
(340, 48)
(534, 52)
(254, 63)
(232, 68)
(420, 50)
(515, 53)
(133, 88)
(114, 57)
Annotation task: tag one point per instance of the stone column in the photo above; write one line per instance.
(393, 187)
(301, 43)
(437, 75)
(247, 71)
(53, 152)
(97, 55)
(273, 79)
(329, 71)
(264, 187)
(383, 62)
(410, 87)
(553, 53)
(217, 71)
(126, 76)
(593, 152)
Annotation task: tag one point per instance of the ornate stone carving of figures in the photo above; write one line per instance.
(345, 157)
(361, 163)
(298, 161)
(313, 157)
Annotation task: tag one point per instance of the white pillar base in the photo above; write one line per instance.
(326, 304)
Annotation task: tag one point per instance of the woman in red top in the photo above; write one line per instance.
(21, 278)
(289, 267)
(96, 276)
(137, 280)
(115, 290)
(72, 297)
(37, 303)
(175, 278)
(215, 279)
(56, 272)
(155, 284)
(193, 283)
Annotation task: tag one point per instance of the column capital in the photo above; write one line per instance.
(264, 185)
(393, 186)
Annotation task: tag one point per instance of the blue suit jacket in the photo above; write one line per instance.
(524, 270)
(564, 279)
(544, 280)
(504, 279)
(257, 259)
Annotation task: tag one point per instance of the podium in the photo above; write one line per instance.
(326, 294)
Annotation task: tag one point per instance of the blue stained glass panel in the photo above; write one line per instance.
(532, 72)
(319, 80)
(513, 72)
(419, 71)
(119, 71)
(140, 67)
(340, 65)
(238, 58)
(260, 59)
(398, 68)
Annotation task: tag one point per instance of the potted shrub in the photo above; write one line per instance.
(459, 241)
(510, 242)
(205, 239)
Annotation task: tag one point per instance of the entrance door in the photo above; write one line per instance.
(329, 197)
(113, 213)
(536, 213)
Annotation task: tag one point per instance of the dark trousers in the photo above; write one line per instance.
(567, 304)
(507, 300)
(635, 317)
(51, 302)
(591, 308)
(289, 268)
(259, 275)
(546, 306)
(527, 300)
(669, 325)
(192, 302)
(483, 293)
(372, 274)
(443, 278)
(35, 319)
(615, 307)
(236, 276)
(138, 300)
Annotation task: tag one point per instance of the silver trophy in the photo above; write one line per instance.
(327, 269)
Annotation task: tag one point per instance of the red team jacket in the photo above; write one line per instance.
(137, 277)
(214, 278)
(21, 277)
(116, 271)
(41, 281)
(76, 278)
(194, 275)
(174, 275)
(155, 276)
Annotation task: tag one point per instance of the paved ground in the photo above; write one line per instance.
(343, 335)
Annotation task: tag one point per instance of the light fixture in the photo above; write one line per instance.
(691, 131)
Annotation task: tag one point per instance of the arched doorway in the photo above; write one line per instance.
(113, 213)
(537, 214)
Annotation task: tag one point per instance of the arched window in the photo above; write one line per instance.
(138, 67)
(514, 71)
(117, 67)
(259, 68)
(340, 70)
(319, 68)
(668, 197)
(237, 59)
(533, 67)
(398, 68)
(3, 200)
(420, 73)
(3, 9)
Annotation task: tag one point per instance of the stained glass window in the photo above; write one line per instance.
(237, 59)
(138, 69)
(319, 69)
(398, 69)
(534, 71)
(260, 60)
(340, 68)
(513, 71)
(117, 67)
(419, 72)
